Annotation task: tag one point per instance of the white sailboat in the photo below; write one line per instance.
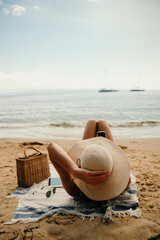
(108, 90)
(137, 89)
(105, 89)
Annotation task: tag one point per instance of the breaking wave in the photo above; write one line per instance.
(135, 124)
(66, 125)
(80, 125)
(113, 124)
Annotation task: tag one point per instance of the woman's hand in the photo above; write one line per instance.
(91, 177)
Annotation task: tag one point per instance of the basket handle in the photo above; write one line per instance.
(26, 155)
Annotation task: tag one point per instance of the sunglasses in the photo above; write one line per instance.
(48, 194)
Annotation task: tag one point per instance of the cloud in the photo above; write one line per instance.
(17, 10)
(6, 11)
(36, 7)
(1, 2)
(17, 81)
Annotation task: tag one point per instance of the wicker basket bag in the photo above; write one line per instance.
(32, 168)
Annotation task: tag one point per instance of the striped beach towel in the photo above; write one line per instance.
(34, 205)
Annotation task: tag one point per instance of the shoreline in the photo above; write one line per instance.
(136, 132)
(143, 155)
(130, 142)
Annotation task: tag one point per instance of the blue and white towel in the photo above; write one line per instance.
(34, 205)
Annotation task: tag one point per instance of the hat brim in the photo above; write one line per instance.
(119, 178)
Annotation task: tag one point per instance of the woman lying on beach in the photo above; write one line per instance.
(95, 167)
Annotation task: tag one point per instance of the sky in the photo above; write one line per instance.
(67, 44)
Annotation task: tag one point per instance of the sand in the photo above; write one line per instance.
(144, 157)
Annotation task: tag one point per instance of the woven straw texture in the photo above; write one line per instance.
(32, 168)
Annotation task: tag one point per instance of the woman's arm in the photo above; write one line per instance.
(60, 157)
(91, 177)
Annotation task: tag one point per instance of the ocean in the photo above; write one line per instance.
(63, 113)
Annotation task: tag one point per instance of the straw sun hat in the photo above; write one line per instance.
(101, 154)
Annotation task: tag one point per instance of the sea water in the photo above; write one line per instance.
(64, 113)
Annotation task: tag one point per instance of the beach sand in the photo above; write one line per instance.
(144, 157)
